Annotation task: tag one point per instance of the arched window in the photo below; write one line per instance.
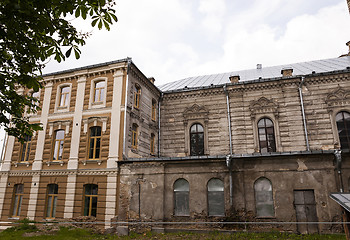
(134, 135)
(51, 200)
(153, 137)
(181, 197)
(196, 140)
(137, 96)
(25, 149)
(95, 143)
(17, 200)
(99, 91)
(343, 125)
(263, 198)
(266, 132)
(216, 200)
(90, 199)
(58, 145)
(64, 96)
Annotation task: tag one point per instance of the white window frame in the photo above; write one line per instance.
(93, 104)
(59, 108)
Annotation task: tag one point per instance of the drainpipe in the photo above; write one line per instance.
(303, 113)
(229, 157)
(337, 154)
(160, 99)
(126, 105)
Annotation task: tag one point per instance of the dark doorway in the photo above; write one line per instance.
(305, 208)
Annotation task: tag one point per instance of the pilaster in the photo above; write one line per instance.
(70, 193)
(33, 197)
(110, 198)
(3, 185)
(6, 164)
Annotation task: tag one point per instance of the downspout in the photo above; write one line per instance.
(337, 154)
(229, 157)
(160, 99)
(303, 113)
(126, 105)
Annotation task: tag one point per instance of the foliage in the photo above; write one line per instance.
(23, 225)
(32, 31)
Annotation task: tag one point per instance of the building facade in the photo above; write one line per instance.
(259, 145)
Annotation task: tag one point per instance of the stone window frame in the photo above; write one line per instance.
(272, 195)
(154, 110)
(59, 108)
(337, 101)
(90, 196)
(26, 148)
(53, 127)
(137, 96)
(30, 93)
(333, 113)
(196, 114)
(223, 192)
(54, 195)
(134, 135)
(17, 202)
(92, 103)
(274, 134)
(54, 140)
(196, 134)
(265, 108)
(94, 148)
(188, 198)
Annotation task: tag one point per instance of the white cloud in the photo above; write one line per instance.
(175, 39)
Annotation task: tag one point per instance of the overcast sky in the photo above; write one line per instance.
(175, 39)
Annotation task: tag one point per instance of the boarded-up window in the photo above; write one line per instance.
(264, 198)
(216, 201)
(181, 197)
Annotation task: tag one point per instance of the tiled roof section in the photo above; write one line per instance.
(304, 68)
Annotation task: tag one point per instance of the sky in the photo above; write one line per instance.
(174, 39)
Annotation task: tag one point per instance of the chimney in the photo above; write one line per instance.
(348, 44)
(287, 72)
(259, 66)
(151, 79)
(234, 79)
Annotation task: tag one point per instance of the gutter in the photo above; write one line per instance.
(229, 157)
(338, 158)
(303, 113)
(159, 101)
(126, 105)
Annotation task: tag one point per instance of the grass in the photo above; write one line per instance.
(25, 230)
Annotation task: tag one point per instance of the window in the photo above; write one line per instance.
(99, 91)
(266, 136)
(263, 198)
(134, 136)
(154, 109)
(58, 145)
(90, 199)
(181, 197)
(17, 200)
(64, 96)
(137, 96)
(216, 200)
(343, 125)
(36, 103)
(95, 143)
(51, 200)
(196, 140)
(152, 143)
(25, 150)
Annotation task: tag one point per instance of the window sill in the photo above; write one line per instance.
(24, 163)
(13, 218)
(55, 163)
(84, 162)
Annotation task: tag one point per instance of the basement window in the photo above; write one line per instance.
(264, 198)
(216, 200)
(181, 197)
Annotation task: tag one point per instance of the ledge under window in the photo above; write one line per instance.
(55, 163)
(22, 164)
(84, 162)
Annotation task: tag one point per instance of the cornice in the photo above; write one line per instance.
(79, 172)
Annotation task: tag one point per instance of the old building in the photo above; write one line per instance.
(254, 145)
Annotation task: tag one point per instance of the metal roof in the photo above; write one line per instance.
(343, 199)
(303, 68)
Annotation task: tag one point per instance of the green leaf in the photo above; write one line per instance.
(69, 52)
